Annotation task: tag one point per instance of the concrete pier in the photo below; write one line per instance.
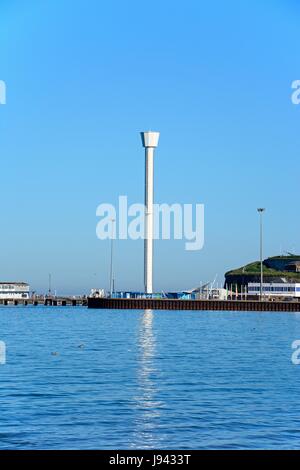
(174, 304)
(48, 301)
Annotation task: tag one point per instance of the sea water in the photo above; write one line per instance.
(75, 378)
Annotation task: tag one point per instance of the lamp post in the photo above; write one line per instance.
(50, 282)
(261, 210)
(111, 283)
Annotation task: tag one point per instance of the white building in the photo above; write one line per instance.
(275, 289)
(97, 293)
(14, 290)
(215, 293)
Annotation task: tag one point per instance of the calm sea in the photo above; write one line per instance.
(80, 379)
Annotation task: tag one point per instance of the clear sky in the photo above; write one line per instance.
(85, 77)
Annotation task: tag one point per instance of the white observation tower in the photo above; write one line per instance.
(150, 142)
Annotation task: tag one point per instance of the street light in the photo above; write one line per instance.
(111, 284)
(50, 282)
(261, 210)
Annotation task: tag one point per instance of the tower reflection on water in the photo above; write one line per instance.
(147, 407)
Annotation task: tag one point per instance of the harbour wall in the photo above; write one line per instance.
(174, 304)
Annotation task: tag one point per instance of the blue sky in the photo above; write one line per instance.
(85, 77)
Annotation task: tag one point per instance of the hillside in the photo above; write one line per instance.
(275, 269)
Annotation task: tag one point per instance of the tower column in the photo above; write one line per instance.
(150, 142)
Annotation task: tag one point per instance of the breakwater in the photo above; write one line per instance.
(174, 304)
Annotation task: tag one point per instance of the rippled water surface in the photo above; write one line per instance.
(80, 379)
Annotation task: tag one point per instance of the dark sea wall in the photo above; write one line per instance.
(217, 305)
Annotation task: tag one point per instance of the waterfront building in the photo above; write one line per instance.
(275, 289)
(14, 290)
(208, 292)
(97, 293)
